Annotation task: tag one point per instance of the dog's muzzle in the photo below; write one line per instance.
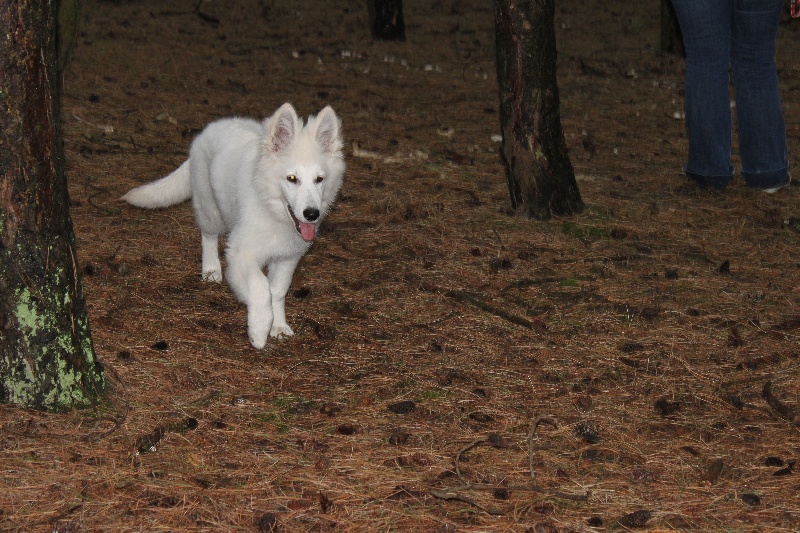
(307, 230)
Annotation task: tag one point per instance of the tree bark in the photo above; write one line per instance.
(386, 20)
(47, 359)
(540, 177)
(671, 37)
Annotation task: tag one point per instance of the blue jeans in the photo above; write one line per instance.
(736, 36)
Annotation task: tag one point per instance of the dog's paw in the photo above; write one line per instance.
(258, 329)
(281, 330)
(258, 342)
(212, 276)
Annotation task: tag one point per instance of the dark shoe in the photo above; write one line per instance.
(710, 182)
(771, 190)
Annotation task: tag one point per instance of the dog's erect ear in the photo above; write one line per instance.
(282, 128)
(328, 131)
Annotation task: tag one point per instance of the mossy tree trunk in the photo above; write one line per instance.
(47, 360)
(540, 176)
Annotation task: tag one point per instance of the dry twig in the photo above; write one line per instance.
(475, 300)
(781, 409)
(452, 493)
(538, 488)
(117, 420)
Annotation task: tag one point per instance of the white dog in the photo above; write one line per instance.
(267, 186)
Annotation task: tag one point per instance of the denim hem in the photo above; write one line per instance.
(710, 182)
(767, 180)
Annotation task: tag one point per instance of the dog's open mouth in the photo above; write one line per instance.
(307, 230)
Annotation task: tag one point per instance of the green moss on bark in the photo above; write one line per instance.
(52, 363)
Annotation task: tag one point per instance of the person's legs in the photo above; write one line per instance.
(706, 28)
(762, 133)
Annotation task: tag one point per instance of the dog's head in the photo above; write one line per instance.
(305, 163)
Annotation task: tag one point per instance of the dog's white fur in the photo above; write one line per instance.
(266, 185)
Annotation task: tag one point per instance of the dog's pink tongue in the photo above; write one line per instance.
(307, 231)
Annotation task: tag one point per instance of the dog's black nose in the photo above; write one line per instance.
(311, 213)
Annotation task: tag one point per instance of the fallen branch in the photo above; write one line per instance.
(475, 300)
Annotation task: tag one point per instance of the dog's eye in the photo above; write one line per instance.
(291, 178)
(319, 179)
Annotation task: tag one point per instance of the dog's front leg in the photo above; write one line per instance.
(252, 287)
(280, 277)
(212, 270)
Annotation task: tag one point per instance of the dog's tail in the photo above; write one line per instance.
(169, 190)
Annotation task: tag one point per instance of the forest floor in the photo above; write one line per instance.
(454, 368)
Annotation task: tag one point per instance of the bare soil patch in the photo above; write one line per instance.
(659, 328)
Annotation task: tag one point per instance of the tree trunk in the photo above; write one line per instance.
(671, 38)
(386, 20)
(68, 11)
(47, 360)
(540, 177)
